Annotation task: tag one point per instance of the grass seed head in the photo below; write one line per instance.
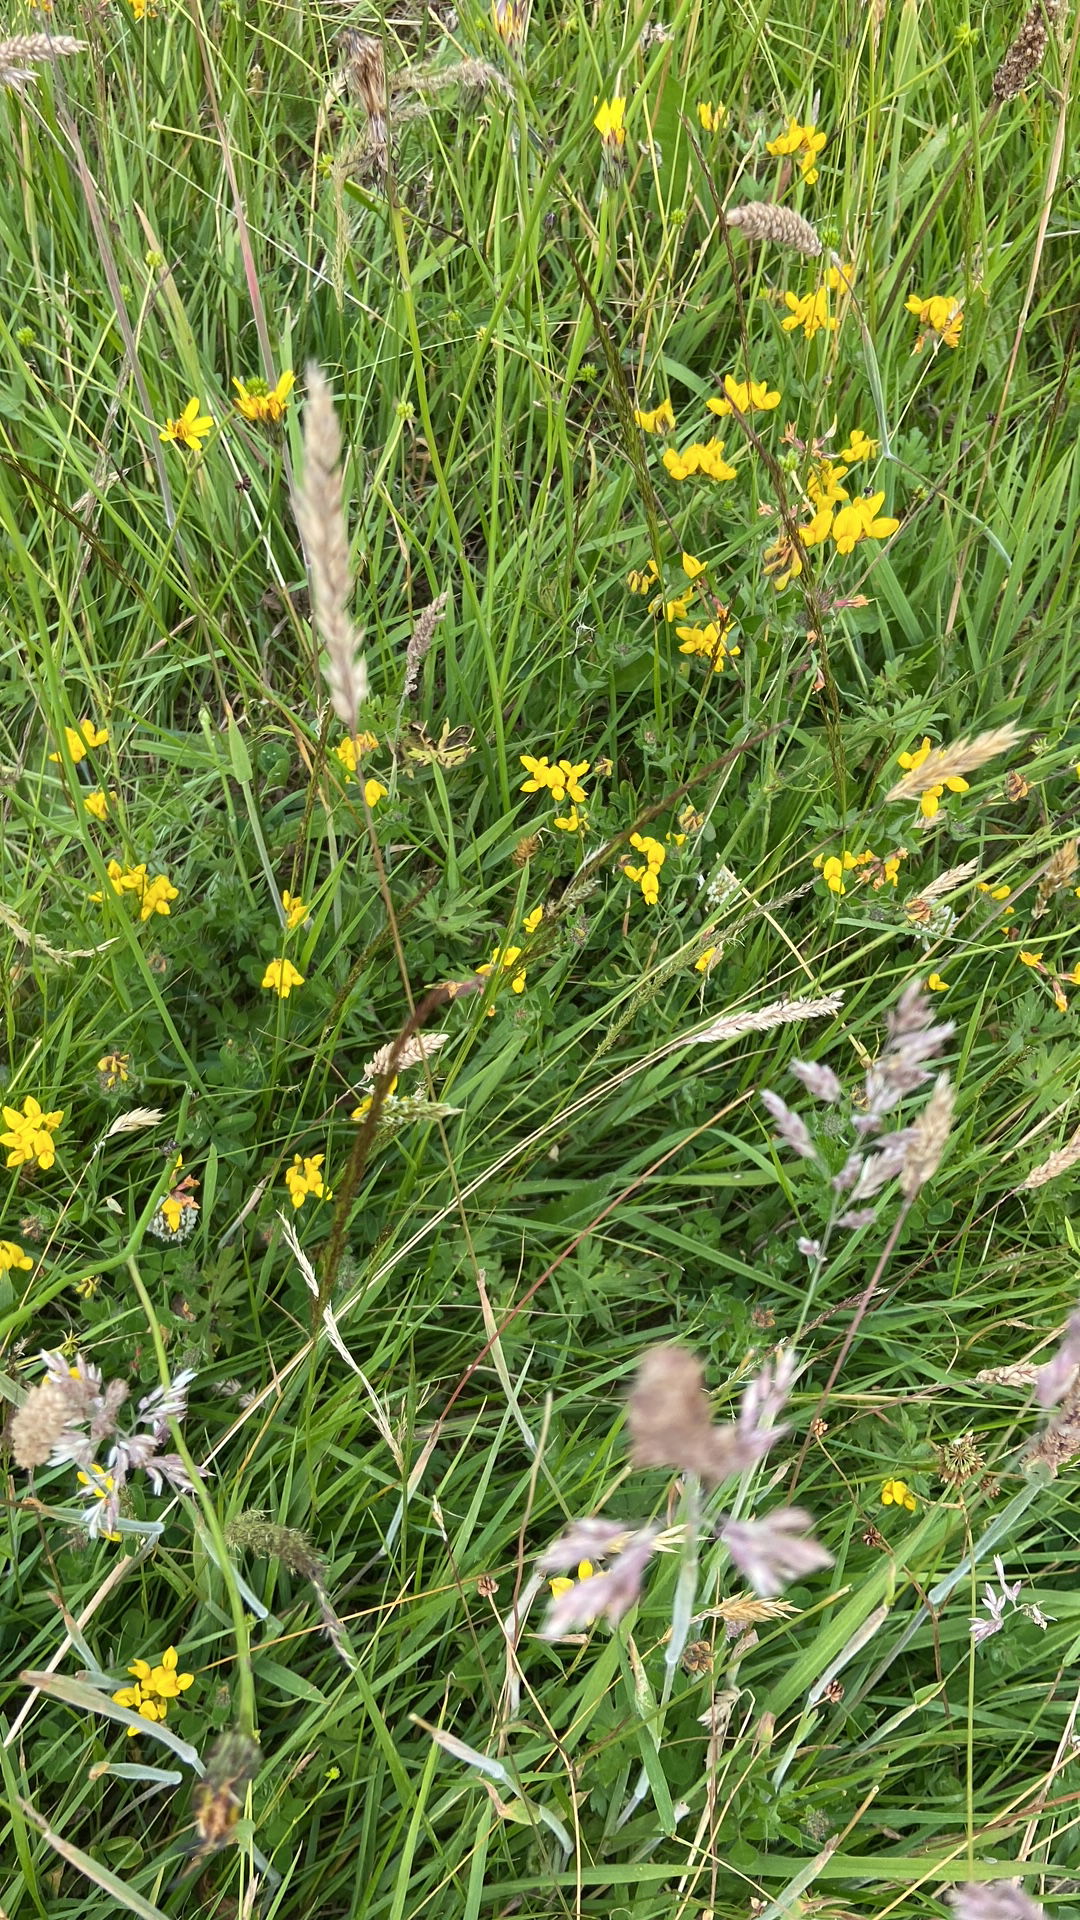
(22, 53)
(321, 519)
(763, 220)
(1027, 52)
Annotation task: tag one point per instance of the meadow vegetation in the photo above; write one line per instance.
(541, 960)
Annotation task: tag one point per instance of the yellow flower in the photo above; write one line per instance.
(113, 1069)
(154, 1685)
(647, 876)
(640, 580)
(709, 641)
(941, 314)
(361, 1112)
(996, 893)
(572, 822)
(810, 311)
(30, 1134)
(282, 977)
(674, 609)
(191, 428)
(155, 896)
(304, 1177)
(295, 911)
(510, 19)
(783, 561)
(347, 750)
(861, 519)
(691, 566)
(532, 920)
(705, 457)
(80, 738)
(609, 122)
(374, 791)
(97, 804)
(704, 961)
(262, 404)
(710, 118)
(750, 396)
(13, 1257)
(936, 984)
(824, 487)
(1030, 959)
(660, 419)
(928, 801)
(806, 142)
(507, 958)
(835, 866)
(142, 10)
(897, 1493)
(818, 529)
(562, 1585)
(859, 447)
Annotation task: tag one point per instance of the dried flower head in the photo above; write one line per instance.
(671, 1426)
(1060, 871)
(91, 1410)
(1027, 52)
(321, 519)
(763, 220)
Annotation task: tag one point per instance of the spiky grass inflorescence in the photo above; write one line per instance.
(252, 1532)
(23, 53)
(952, 762)
(420, 641)
(1058, 1163)
(778, 1013)
(320, 517)
(763, 220)
(1027, 52)
(1060, 871)
(927, 1138)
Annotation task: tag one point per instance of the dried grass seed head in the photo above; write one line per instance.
(952, 762)
(1027, 52)
(764, 220)
(22, 53)
(671, 1426)
(927, 1137)
(321, 519)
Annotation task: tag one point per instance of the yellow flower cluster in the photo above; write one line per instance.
(897, 1493)
(561, 780)
(810, 311)
(97, 803)
(659, 419)
(942, 314)
(13, 1259)
(705, 457)
(304, 1177)
(709, 641)
(867, 866)
(80, 738)
(154, 1686)
(29, 1135)
(347, 753)
(506, 959)
(264, 406)
(153, 895)
(805, 142)
(647, 874)
(855, 520)
(750, 396)
(930, 800)
(295, 910)
(643, 579)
